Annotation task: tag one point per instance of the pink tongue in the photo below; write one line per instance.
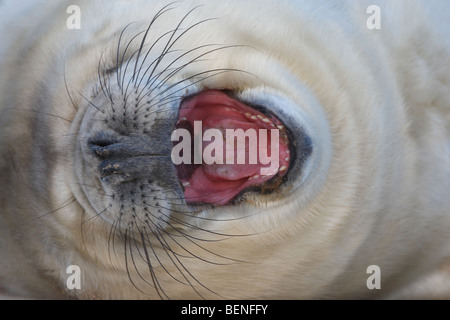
(220, 183)
(230, 170)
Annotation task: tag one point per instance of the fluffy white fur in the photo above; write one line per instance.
(376, 192)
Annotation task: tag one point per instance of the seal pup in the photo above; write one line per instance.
(93, 207)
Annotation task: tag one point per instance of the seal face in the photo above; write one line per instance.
(125, 142)
(184, 150)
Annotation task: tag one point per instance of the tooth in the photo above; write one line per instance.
(265, 120)
(280, 127)
(287, 158)
(288, 152)
(248, 115)
(253, 117)
(182, 119)
(185, 184)
(283, 168)
(260, 116)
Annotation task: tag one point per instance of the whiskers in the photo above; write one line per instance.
(163, 244)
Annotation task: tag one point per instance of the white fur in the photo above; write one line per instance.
(376, 192)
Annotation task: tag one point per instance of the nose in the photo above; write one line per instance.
(128, 158)
(102, 145)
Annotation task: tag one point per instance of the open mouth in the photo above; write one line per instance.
(247, 150)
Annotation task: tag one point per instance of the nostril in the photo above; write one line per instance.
(101, 152)
(102, 139)
(101, 144)
(107, 169)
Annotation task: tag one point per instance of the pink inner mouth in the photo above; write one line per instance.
(219, 183)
